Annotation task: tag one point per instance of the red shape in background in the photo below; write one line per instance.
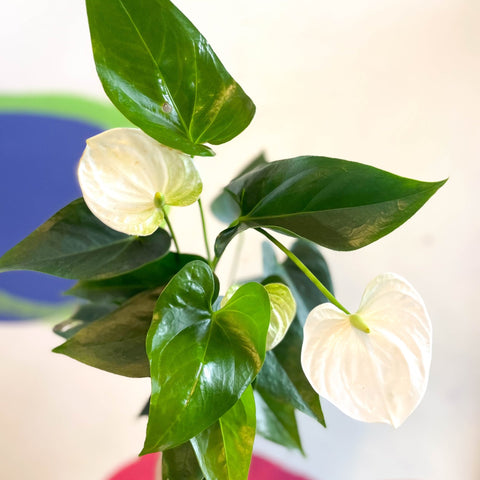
(144, 469)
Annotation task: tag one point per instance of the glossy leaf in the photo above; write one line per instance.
(282, 309)
(201, 361)
(224, 206)
(276, 422)
(335, 203)
(307, 295)
(75, 244)
(121, 287)
(180, 463)
(274, 380)
(224, 450)
(116, 342)
(161, 73)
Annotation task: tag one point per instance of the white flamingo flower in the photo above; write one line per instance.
(372, 365)
(127, 178)
(282, 311)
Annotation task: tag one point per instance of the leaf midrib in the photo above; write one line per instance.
(246, 218)
(160, 74)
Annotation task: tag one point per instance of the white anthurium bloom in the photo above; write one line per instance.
(373, 365)
(127, 178)
(282, 311)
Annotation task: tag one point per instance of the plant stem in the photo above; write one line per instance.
(205, 236)
(215, 262)
(304, 269)
(172, 234)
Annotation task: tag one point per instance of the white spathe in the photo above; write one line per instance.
(379, 376)
(282, 311)
(120, 172)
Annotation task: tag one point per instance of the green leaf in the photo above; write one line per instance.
(116, 342)
(75, 244)
(224, 450)
(83, 316)
(224, 206)
(161, 73)
(282, 375)
(121, 287)
(335, 203)
(201, 361)
(306, 294)
(276, 422)
(180, 463)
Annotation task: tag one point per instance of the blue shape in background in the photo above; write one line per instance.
(39, 156)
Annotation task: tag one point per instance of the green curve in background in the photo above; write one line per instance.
(74, 107)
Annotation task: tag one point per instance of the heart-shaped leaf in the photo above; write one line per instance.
(116, 342)
(75, 244)
(224, 450)
(201, 360)
(373, 365)
(162, 74)
(335, 203)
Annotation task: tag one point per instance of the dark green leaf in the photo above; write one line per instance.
(161, 73)
(284, 359)
(276, 421)
(121, 287)
(180, 463)
(224, 450)
(224, 206)
(274, 380)
(116, 342)
(338, 204)
(83, 316)
(75, 244)
(282, 376)
(145, 409)
(305, 292)
(201, 361)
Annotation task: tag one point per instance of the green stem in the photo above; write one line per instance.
(205, 236)
(172, 233)
(215, 262)
(304, 269)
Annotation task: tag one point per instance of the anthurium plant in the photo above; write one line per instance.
(226, 362)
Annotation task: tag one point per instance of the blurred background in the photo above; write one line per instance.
(393, 84)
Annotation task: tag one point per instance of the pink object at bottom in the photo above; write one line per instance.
(144, 469)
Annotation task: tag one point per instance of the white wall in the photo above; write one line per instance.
(391, 83)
